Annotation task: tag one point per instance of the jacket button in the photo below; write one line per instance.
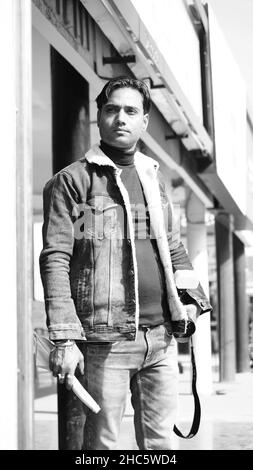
(131, 271)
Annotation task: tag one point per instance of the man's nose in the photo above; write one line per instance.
(121, 116)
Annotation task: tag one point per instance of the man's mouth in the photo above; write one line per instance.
(118, 129)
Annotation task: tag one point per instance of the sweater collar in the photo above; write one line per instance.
(120, 157)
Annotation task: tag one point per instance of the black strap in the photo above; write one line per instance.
(197, 408)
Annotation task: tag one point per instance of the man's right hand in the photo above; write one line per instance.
(63, 361)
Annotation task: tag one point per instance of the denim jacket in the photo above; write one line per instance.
(88, 269)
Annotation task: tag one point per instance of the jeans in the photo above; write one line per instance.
(149, 367)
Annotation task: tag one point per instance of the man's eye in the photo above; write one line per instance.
(110, 110)
(131, 111)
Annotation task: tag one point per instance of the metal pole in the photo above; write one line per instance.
(225, 276)
(24, 222)
(8, 233)
(197, 248)
(242, 317)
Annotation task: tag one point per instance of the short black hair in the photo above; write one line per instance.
(122, 82)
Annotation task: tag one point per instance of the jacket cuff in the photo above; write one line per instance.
(189, 297)
(61, 331)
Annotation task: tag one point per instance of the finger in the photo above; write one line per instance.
(69, 381)
(81, 365)
(192, 312)
(51, 363)
(61, 378)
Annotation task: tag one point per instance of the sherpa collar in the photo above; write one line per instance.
(96, 155)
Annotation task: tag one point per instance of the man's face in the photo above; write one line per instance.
(121, 120)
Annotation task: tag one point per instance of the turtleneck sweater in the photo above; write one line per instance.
(122, 157)
(151, 281)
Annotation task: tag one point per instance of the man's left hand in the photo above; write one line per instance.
(192, 312)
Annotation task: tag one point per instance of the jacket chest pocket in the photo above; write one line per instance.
(101, 218)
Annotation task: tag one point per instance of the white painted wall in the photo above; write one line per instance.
(8, 343)
(170, 26)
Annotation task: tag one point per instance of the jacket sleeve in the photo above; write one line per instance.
(179, 257)
(59, 200)
(180, 260)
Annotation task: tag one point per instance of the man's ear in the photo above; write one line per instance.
(98, 117)
(145, 121)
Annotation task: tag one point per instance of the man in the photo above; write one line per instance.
(107, 266)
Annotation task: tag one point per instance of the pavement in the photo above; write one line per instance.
(226, 422)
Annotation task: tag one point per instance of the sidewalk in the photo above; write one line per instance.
(226, 422)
